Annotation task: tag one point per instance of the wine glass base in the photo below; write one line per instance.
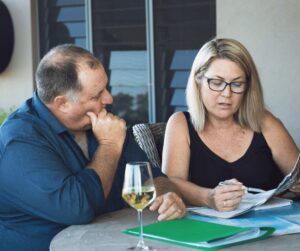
(145, 248)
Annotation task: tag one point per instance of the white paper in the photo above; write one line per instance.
(273, 203)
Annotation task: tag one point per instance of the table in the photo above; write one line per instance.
(105, 233)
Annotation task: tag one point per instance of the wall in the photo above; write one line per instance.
(270, 31)
(16, 82)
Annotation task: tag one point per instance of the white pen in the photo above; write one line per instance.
(254, 190)
(248, 189)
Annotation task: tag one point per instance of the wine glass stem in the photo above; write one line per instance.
(140, 219)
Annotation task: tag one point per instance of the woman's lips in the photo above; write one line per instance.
(224, 105)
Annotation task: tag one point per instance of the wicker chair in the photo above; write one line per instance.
(150, 139)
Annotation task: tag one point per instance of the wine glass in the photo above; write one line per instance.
(139, 191)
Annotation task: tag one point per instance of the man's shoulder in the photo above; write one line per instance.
(22, 123)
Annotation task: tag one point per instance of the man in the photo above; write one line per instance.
(62, 155)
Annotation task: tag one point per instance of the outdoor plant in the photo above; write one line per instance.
(3, 116)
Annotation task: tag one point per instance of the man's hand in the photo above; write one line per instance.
(110, 132)
(108, 129)
(169, 206)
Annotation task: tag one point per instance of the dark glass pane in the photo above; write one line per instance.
(61, 21)
(68, 2)
(69, 14)
(181, 28)
(119, 41)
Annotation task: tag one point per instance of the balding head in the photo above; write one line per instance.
(57, 73)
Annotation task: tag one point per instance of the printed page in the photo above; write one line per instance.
(289, 180)
(273, 203)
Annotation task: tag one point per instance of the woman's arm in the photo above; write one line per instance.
(283, 148)
(175, 163)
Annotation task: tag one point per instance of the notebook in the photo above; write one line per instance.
(200, 234)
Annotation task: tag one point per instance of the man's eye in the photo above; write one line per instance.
(96, 98)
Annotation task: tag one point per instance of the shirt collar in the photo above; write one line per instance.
(46, 115)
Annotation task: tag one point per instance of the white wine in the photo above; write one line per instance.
(139, 200)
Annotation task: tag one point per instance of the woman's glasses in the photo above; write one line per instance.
(219, 85)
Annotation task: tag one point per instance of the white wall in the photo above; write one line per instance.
(270, 29)
(16, 82)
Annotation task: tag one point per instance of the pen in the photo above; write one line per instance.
(248, 189)
(254, 190)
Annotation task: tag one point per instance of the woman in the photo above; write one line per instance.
(227, 135)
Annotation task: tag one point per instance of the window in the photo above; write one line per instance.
(61, 21)
(120, 38)
(180, 28)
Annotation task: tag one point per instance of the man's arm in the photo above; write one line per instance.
(38, 181)
(110, 132)
(168, 202)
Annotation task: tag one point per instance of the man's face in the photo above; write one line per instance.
(92, 98)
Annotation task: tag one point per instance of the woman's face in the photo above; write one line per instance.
(222, 105)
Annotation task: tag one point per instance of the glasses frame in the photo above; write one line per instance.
(226, 84)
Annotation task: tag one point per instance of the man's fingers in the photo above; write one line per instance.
(172, 212)
(157, 202)
(92, 117)
(103, 112)
(169, 206)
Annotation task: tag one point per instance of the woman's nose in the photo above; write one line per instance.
(227, 91)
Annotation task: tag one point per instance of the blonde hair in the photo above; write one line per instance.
(252, 108)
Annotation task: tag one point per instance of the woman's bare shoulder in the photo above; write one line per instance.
(177, 119)
(177, 125)
(270, 121)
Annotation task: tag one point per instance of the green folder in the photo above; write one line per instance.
(200, 234)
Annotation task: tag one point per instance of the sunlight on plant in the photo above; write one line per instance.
(3, 116)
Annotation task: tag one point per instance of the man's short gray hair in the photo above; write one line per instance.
(57, 73)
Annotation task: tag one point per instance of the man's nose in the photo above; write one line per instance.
(107, 98)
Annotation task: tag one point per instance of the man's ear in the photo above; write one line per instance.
(61, 103)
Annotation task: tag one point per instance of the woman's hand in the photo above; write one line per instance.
(227, 195)
(296, 189)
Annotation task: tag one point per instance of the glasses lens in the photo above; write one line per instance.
(216, 84)
(238, 87)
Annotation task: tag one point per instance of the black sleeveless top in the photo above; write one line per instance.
(255, 168)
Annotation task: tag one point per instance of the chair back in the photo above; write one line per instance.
(149, 137)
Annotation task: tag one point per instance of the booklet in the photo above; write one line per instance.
(286, 220)
(273, 203)
(200, 234)
(250, 201)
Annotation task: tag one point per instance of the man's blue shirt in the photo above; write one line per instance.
(45, 184)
